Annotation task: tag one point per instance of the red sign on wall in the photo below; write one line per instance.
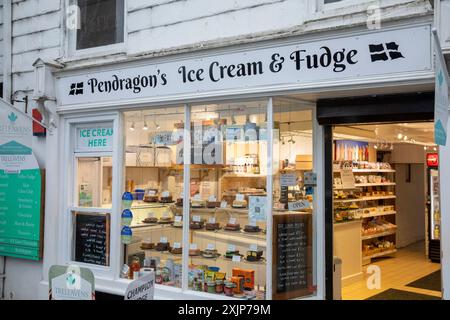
(432, 159)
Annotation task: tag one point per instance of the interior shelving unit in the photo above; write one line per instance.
(372, 207)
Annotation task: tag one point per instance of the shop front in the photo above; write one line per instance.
(210, 167)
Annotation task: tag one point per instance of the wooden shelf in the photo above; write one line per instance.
(374, 184)
(380, 234)
(370, 171)
(380, 254)
(378, 214)
(243, 175)
(365, 199)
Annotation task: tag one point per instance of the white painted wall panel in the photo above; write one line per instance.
(179, 11)
(42, 22)
(36, 41)
(30, 8)
(274, 16)
(24, 61)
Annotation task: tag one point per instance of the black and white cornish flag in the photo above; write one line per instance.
(384, 52)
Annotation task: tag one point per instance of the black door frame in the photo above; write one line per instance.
(416, 107)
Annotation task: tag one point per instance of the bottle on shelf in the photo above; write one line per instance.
(135, 267)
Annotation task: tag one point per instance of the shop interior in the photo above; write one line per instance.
(386, 211)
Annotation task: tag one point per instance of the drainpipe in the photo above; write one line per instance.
(7, 79)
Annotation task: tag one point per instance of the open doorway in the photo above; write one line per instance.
(386, 216)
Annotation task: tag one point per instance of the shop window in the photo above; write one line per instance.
(94, 182)
(90, 211)
(228, 199)
(293, 200)
(101, 23)
(154, 177)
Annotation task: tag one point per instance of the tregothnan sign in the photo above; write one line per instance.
(321, 62)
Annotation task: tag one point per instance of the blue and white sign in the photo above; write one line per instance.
(441, 99)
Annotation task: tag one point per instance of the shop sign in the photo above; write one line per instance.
(288, 180)
(323, 62)
(71, 283)
(257, 208)
(347, 178)
(441, 98)
(95, 138)
(20, 188)
(299, 205)
(142, 288)
(432, 159)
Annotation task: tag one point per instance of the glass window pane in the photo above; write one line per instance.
(228, 199)
(94, 182)
(293, 197)
(101, 23)
(154, 177)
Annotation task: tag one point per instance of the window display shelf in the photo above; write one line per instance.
(364, 199)
(380, 254)
(375, 184)
(370, 171)
(243, 175)
(234, 263)
(163, 254)
(238, 237)
(380, 234)
(378, 214)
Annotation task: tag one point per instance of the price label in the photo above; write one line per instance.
(287, 180)
(196, 218)
(212, 198)
(165, 194)
(236, 259)
(210, 246)
(163, 239)
(253, 247)
(239, 197)
(223, 204)
(193, 246)
(232, 221)
(178, 218)
(197, 197)
(211, 220)
(177, 245)
(231, 247)
(151, 192)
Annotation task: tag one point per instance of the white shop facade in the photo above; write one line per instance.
(213, 137)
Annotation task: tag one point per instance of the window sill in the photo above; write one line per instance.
(113, 51)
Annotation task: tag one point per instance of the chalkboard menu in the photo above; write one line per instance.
(92, 238)
(292, 254)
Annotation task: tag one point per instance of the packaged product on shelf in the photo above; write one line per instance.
(210, 253)
(212, 226)
(247, 275)
(147, 244)
(233, 226)
(254, 255)
(163, 246)
(231, 253)
(151, 195)
(166, 197)
(252, 229)
(150, 220)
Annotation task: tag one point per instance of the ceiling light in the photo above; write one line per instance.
(375, 146)
(399, 136)
(145, 127)
(435, 149)
(425, 148)
(157, 125)
(405, 138)
(132, 126)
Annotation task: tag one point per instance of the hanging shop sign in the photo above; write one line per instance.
(142, 288)
(71, 283)
(20, 188)
(304, 64)
(441, 98)
(433, 159)
(95, 138)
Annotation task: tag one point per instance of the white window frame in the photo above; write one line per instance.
(68, 194)
(111, 49)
